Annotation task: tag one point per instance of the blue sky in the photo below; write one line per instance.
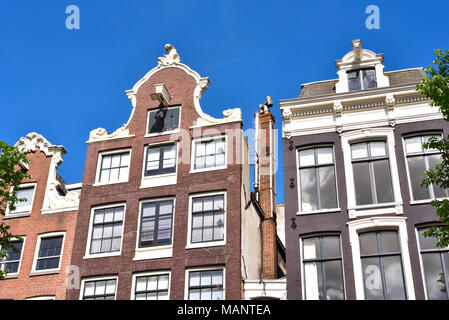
(64, 83)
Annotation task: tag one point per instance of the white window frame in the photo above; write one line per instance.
(35, 272)
(15, 274)
(208, 138)
(87, 254)
(373, 224)
(101, 278)
(159, 252)
(411, 135)
(101, 154)
(149, 274)
(9, 214)
(301, 248)
(351, 137)
(191, 245)
(318, 145)
(206, 268)
(155, 134)
(160, 179)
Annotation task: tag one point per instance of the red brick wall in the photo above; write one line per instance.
(26, 286)
(181, 86)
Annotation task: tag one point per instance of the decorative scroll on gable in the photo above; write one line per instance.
(53, 201)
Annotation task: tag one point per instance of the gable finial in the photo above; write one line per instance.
(357, 49)
(170, 58)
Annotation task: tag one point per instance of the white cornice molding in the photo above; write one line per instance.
(33, 140)
(100, 134)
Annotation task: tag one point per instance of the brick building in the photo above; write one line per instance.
(46, 222)
(353, 164)
(166, 210)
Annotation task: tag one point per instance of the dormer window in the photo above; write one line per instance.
(362, 79)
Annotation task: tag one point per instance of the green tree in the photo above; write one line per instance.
(11, 175)
(436, 87)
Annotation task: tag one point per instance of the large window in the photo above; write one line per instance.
(163, 120)
(371, 169)
(161, 160)
(322, 266)
(49, 254)
(205, 285)
(419, 160)
(317, 183)
(156, 223)
(435, 262)
(25, 192)
(113, 167)
(13, 257)
(208, 219)
(152, 287)
(99, 289)
(107, 226)
(383, 276)
(362, 79)
(209, 154)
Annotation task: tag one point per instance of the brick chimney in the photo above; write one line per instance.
(265, 186)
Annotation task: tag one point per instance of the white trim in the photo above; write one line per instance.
(42, 298)
(206, 268)
(160, 179)
(146, 274)
(87, 254)
(157, 134)
(10, 275)
(100, 156)
(363, 135)
(189, 223)
(157, 252)
(94, 279)
(35, 272)
(193, 153)
(357, 226)
(28, 210)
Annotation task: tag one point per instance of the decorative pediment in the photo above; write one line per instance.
(100, 134)
(33, 140)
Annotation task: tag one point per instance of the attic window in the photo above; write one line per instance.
(362, 79)
(163, 120)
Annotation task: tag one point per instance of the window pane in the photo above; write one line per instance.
(206, 278)
(369, 78)
(394, 279)
(362, 183)
(426, 243)
(359, 150)
(325, 155)
(434, 276)
(313, 277)
(27, 194)
(308, 184)
(427, 138)
(217, 277)
(311, 248)
(218, 203)
(413, 145)
(194, 294)
(353, 80)
(206, 294)
(331, 247)
(207, 204)
(372, 279)
(334, 280)
(197, 205)
(417, 168)
(433, 160)
(328, 190)
(377, 149)
(382, 177)
(307, 157)
(163, 282)
(194, 279)
(389, 241)
(149, 210)
(368, 243)
(89, 288)
(197, 235)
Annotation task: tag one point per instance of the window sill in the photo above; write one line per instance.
(426, 201)
(153, 253)
(369, 210)
(44, 272)
(158, 180)
(98, 184)
(11, 276)
(205, 245)
(102, 255)
(16, 215)
(304, 213)
(157, 134)
(208, 169)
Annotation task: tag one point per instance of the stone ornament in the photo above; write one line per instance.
(170, 58)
